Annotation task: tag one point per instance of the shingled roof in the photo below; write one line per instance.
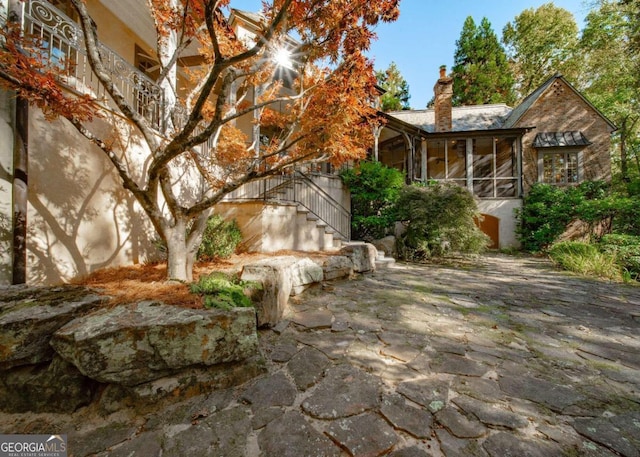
(490, 117)
(464, 118)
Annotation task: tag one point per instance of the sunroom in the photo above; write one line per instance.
(487, 163)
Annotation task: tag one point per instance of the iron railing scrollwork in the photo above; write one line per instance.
(62, 46)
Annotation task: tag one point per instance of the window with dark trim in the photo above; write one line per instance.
(560, 168)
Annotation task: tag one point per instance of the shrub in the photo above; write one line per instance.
(627, 216)
(586, 259)
(626, 249)
(438, 218)
(220, 239)
(545, 213)
(374, 191)
(224, 291)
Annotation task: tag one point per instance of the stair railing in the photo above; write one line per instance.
(297, 187)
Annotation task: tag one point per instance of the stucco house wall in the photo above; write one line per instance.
(504, 210)
(80, 218)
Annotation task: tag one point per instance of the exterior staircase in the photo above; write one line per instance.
(322, 223)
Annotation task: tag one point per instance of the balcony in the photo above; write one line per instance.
(63, 47)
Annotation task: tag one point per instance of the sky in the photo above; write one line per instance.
(424, 37)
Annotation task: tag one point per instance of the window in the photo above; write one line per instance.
(447, 160)
(490, 161)
(560, 168)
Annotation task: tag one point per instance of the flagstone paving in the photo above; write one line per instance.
(499, 356)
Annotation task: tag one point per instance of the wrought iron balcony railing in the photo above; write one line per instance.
(63, 47)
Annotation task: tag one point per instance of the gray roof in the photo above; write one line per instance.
(489, 117)
(560, 139)
(464, 118)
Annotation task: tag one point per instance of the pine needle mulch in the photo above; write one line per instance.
(136, 283)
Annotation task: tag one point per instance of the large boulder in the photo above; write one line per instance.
(30, 315)
(362, 255)
(137, 343)
(181, 386)
(53, 387)
(275, 276)
(337, 267)
(387, 245)
(304, 273)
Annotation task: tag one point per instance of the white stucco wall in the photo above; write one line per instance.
(6, 183)
(504, 210)
(80, 218)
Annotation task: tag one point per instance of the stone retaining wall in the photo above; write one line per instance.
(63, 348)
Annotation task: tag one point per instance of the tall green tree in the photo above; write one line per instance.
(397, 96)
(611, 77)
(481, 72)
(539, 43)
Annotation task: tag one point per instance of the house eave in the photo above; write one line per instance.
(396, 124)
(517, 131)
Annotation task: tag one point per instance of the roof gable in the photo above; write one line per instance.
(520, 110)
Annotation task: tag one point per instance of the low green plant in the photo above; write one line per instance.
(220, 238)
(439, 218)
(586, 259)
(223, 291)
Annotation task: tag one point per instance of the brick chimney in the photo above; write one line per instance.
(443, 94)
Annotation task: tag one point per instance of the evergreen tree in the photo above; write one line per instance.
(397, 96)
(481, 73)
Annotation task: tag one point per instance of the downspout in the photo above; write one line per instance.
(20, 191)
(423, 162)
(20, 172)
(376, 140)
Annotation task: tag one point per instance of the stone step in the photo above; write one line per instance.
(385, 262)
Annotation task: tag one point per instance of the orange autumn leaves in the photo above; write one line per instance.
(324, 112)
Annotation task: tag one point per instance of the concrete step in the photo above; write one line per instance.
(384, 263)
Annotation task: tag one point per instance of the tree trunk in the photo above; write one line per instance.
(624, 168)
(179, 268)
(182, 247)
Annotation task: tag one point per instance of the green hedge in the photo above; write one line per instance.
(547, 210)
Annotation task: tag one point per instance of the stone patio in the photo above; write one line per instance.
(493, 357)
